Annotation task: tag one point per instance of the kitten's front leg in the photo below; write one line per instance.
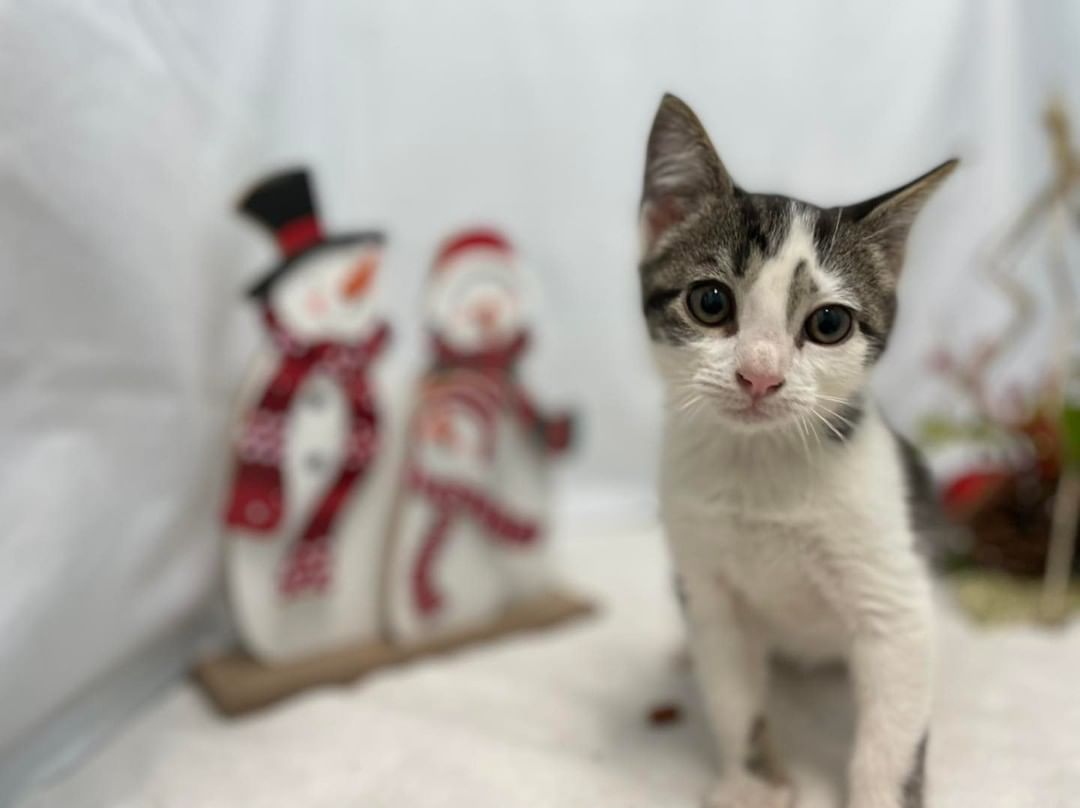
(892, 672)
(732, 670)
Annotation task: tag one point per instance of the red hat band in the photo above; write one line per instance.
(298, 235)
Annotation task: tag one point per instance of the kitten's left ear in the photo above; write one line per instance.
(887, 219)
(681, 170)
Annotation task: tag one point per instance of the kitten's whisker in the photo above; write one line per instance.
(831, 412)
(687, 400)
(690, 403)
(816, 434)
(835, 232)
(827, 422)
(684, 400)
(841, 418)
(834, 399)
(802, 438)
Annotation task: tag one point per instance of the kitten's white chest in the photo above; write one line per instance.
(780, 535)
(768, 564)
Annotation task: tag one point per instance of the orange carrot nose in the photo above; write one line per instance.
(359, 279)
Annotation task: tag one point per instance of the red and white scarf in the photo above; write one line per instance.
(256, 502)
(497, 364)
(454, 378)
(452, 501)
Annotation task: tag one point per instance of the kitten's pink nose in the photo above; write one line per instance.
(759, 385)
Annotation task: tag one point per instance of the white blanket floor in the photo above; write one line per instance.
(558, 719)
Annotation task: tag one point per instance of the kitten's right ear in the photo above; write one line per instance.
(681, 169)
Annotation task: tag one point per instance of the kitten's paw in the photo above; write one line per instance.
(748, 792)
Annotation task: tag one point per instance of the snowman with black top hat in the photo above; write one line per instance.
(303, 519)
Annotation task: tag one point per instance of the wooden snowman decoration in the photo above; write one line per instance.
(303, 523)
(468, 535)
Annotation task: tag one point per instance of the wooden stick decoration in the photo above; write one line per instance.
(1066, 515)
(1055, 207)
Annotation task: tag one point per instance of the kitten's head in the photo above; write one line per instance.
(765, 310)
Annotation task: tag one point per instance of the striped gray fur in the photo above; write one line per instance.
(729, 238)
(802, 287)
(914, 792)
(935, 534)
(700, 226)
(761, 758)
(715, 230)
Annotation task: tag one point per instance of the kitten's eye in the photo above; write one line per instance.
(711, 303)
(829, 325)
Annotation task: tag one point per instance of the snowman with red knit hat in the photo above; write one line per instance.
(303, 525)
(468, 536)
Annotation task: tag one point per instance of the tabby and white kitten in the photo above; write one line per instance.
(785, 497)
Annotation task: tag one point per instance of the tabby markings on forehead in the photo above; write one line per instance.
(764, 222)
(802, 286)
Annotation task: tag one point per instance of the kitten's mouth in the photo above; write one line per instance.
(759, 412)
(756, 414)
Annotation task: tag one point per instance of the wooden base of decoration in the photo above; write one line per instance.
(238, 684)
(990, 597)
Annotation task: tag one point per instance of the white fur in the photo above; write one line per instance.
(787, 541)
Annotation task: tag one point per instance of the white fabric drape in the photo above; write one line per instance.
(128, 129)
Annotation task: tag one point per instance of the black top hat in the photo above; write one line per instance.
(285, 205)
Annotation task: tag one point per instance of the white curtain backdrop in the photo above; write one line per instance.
(127, 129)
